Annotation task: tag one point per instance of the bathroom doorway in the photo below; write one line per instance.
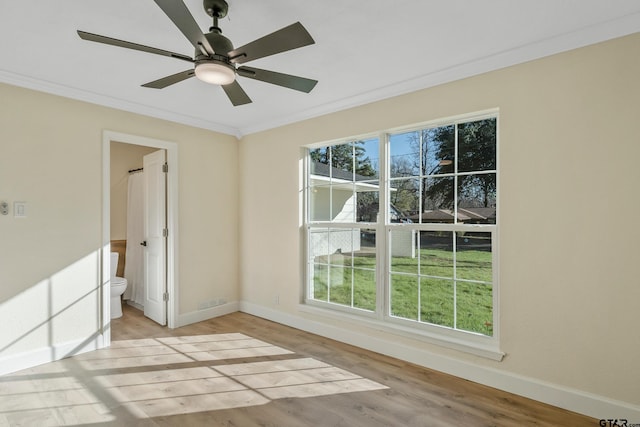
(123, 157)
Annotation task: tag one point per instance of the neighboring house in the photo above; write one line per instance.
(335, 198)
(465, 215)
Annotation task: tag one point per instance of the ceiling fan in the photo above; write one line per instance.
(215, 58)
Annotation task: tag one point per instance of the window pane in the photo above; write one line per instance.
(319, 245)
(364, 289)
(404, 296)
(405, 200)
(474, 192)
(424, 152)
(473, 256)
(437, 200)
(366, 159)
(477, 145)
(343, 203)
(367, 205)
(436, 253)
(436, 301)
(319, 161)
(319, 274)
(403, 251)
(367, 242)
(365, 254)
(405, 154)
(342, 242)
(319, 203)
(364, 273)
(340, 285)
(474, 307)
(342, 162)
(438, 150)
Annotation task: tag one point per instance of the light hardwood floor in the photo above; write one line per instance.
(243, 371)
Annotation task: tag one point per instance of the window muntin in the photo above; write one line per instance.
(344, 182)
(342, 266)
(438, 254)
(443, 278)
(446, 278)
(447, 167)
(343, 193)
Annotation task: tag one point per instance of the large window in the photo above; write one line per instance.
(402, 227)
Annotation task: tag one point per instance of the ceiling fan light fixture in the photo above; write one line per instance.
(215, 72)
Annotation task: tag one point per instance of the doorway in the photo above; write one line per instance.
(170, 148)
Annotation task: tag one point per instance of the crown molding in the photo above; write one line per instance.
(107, 101)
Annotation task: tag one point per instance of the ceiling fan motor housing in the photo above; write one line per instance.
(220, 44)
(216, 8)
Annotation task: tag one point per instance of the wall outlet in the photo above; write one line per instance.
(276, 299)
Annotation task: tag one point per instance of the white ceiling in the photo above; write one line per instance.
(365, 50)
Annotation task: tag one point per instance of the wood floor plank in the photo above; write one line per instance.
(264, 374)
(416, 396)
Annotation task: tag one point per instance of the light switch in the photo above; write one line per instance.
(20, 209)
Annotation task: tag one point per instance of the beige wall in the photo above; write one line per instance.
(51, 158)
(569, 249)
(124, 157)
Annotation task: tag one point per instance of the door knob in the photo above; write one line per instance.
(144, 243)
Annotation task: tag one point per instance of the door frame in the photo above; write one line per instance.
(172, 223)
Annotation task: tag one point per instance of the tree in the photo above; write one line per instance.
(404, 195)
(434, 154)
(476, 153)
(344, 156)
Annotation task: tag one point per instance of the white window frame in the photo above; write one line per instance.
(308, 224)
(380, 319)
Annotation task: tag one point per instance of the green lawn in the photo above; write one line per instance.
(415, 293)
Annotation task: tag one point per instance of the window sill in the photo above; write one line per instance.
(477, 345)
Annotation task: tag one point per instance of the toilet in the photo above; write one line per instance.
(118, 286)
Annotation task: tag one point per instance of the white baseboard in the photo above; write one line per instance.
(206, 314)
(589, 404)
(17, 362)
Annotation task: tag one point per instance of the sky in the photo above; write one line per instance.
(400, 145)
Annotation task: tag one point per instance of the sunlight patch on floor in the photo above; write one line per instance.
(297, 378)
(168, 376)
(52, 397)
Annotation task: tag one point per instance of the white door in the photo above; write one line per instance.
(155, 223)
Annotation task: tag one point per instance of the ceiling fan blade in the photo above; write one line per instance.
(135, 46)
(287, 38)
(169, 80)
(286, 80)
(236, 94)
(182, 18)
